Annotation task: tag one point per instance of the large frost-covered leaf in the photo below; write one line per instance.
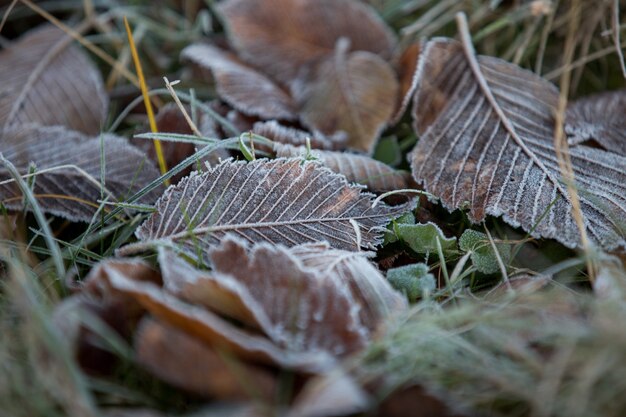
(486, 143)
(601, 118)
(361, 169)
(45, 79)
(285, 201)
(241, 86)
(72, 192)
(280, 36)
(354, 92)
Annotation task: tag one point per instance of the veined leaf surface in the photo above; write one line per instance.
(487, 143)
(45, 79)
(286, 201)
(71, 185)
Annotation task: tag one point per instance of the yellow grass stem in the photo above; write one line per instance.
(146, 99)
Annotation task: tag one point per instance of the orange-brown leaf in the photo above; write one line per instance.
(352, 92)
(280, 36)
(185, 362)
(243, 87)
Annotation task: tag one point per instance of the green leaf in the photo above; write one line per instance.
(388, 151)
(390, 235)
(413, 280)
(422, 238)
(482, 254)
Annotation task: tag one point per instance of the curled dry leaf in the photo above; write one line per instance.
(119, 312)
(244, 88)
(308, 298)
(211, 329)
(361, 169)
(285, 201)
(45, 79)
(292, 136)
(601, 118)
(487, 130)
(296, 308)
(407, 74)
(189, 364)
(364, 281)
(281, 36)
(332, 394)
(72, 191)
(352, 92)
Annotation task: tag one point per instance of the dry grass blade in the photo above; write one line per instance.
(45, 79)
(280, 201)
(486, 143)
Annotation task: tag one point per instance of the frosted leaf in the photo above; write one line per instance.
(207, 327)
(423, 237)
(305, 298)
(486, 143)
(292, 136)
(482, 254)
(364, 281)
(70, 192)
(45, 79)
(414, 280)
(601, 118)
(280, 36)
(351, 92)
(285, 201)
(243, 87)
(361, 169)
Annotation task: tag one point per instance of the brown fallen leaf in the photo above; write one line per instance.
(334, 303)
(213, 330)
(352, 92)
(243, 87)
(407, 74)
(487, 143)
(183, 361)
(601, 118)
(375, 175)
(333, 394)
(281, 201)
(334, 306)
(281, 36)
(45, 79)
(291, 136)
(118, 311)
(71, 186)
(379, 301)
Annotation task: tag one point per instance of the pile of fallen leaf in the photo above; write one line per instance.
(268, 265)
